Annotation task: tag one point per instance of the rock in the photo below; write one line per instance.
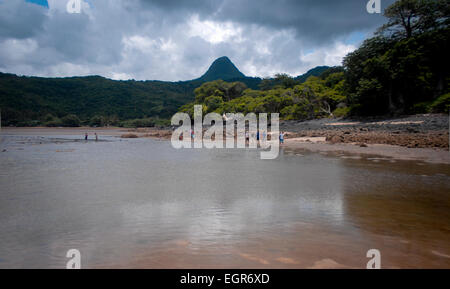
(129, 135)
(411, 130)
(334, 139)
(363, 145)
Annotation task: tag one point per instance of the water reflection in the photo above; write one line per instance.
(139, 203)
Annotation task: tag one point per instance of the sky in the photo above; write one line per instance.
(176, 40)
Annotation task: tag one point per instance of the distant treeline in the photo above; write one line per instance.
(93, 100)
(31, 101)
(403, 69)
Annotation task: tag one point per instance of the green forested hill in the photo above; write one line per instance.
(317, 71)
(25, 99)
(222, 68)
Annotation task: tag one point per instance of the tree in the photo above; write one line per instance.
(70, 120)
(266, 84)
(409, 17)
(96, 121)
(235, 90)
(208, 89)
(213, 103)
(367, 82)
(285, 80)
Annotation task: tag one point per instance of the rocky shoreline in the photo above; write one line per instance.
(418, 137)
(418, 131)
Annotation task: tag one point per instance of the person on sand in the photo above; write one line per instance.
(282, 137)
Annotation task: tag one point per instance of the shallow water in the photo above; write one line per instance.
(140, 203)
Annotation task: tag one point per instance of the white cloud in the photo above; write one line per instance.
(214, 32)
(18, 49)
(140, 43)
(120, 76)
(69, 69)
(329, 55)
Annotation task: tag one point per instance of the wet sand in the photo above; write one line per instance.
(314, 144)
(308, 246)
(73, 131)
(437, 156)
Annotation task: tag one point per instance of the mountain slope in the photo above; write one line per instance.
(222, 68)
(316, 71)
(25, 100)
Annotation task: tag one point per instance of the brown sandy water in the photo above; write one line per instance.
(140, 203)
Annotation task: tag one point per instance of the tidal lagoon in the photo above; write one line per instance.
(139, 203)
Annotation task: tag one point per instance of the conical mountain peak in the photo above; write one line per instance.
(222, 68)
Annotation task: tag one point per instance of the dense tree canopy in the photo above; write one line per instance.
(412, 17)
(403, 69)
(317, 97)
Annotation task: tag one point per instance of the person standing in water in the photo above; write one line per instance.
(96, 137)
(86, 136)
(282, 137)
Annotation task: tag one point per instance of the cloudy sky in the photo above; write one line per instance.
(178, 39)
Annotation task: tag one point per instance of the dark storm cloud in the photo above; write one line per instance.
(178, 39)
(20, 20)
(316, 20)
(204, 6)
